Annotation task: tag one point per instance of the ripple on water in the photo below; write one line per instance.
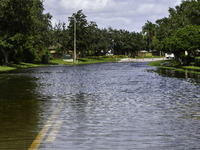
(110, 106)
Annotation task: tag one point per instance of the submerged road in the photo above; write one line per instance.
(115, 106)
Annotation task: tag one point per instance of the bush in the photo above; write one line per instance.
(174, 63)
(197, 61)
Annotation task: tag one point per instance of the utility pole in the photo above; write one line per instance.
(75, 40)
(113, 46)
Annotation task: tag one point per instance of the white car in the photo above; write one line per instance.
(109, 52)
(169, 55)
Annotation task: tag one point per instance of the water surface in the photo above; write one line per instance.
(121, 106)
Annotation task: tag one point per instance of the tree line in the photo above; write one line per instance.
(178, 33)
(26, 33)
(94, 41)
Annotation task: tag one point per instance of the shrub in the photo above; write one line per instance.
(197, 61)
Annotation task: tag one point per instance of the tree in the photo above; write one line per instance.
(15, 20)
(149, 30)
(5, 47)
(184, 39)
(103, 40)
(60, 37)
(81, 32)
(139, 42)
(94, 39)
(41, 23)
(23, 28)
(188, 13)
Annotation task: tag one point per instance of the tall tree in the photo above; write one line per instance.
(93, 39)
(15, 21)
(81, 32)
(60, 37)
(187, 13)
(22, 24)
(149, 30)
(184, 39)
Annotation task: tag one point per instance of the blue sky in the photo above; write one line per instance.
(129, 15)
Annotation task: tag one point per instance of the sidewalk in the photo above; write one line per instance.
(141, 60)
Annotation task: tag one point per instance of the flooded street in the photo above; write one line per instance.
(111, 106)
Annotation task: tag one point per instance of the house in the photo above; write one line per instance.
(54, 53)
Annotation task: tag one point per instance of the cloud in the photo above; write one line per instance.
(89, 5)
(178, 2)
(120, 14)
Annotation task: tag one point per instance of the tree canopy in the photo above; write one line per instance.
(180, 31)
(149, 31)
(26, 33)
(184, 39)
(94, 41)
(23, 30)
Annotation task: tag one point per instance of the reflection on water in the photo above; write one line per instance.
(107, 106)
(178, 74)
(18, 111)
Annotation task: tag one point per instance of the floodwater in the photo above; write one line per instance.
(111, 106)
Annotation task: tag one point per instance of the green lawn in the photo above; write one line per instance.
(18, 66)
(191, 69)
(92, 60)
(96, 59)
(5, 68)
(89, 60)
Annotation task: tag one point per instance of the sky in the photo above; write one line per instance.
(128, 15)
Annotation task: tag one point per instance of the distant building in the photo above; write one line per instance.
(53, 50)
(54, 53)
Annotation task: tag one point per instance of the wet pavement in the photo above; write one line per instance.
(114, 106)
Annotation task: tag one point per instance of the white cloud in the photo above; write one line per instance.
(145, 9)
(178, 2)
(120, 14)
(89, 5)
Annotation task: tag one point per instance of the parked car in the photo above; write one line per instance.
(109, 52)
(169, 55)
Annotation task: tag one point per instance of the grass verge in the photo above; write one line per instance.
(189, 69)
(89, 60)
(81, 61)
(6, 68)
(18, 66)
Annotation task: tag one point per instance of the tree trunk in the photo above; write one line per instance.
(6, 58)
(5, 54)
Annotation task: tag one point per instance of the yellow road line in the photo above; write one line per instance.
(36, 143)
(54, 131)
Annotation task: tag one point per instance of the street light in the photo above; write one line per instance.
(75, 39)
